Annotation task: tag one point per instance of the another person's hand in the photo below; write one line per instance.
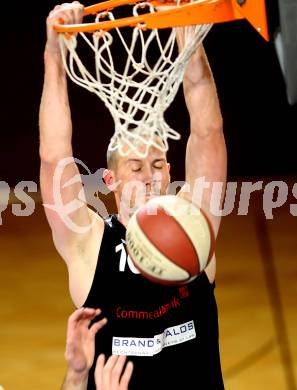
(69, 13)
(112, 375)
(80, 342)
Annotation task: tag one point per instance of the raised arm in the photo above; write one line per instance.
(206, 150)
(55, 145)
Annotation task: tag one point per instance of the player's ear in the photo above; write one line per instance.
(168, 166)
(108, 178)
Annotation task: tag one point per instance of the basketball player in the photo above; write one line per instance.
(80, 351)
(174, 330)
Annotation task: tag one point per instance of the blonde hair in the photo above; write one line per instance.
(111, 159)
(112, 155)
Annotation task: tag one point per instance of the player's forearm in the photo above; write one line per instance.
(54, 115)
(201, 96)
(75, 381)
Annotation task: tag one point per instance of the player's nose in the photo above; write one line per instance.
(147, 175)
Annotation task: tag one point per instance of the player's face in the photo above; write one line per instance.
(141, 179)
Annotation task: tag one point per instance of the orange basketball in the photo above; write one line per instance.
(170, 240)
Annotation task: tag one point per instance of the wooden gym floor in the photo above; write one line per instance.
(256, 294)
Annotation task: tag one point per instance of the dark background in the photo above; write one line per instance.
(260, 126)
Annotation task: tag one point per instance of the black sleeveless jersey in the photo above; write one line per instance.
(169, 332)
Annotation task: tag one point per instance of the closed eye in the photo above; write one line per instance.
(158, 165)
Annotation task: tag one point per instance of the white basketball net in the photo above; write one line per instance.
(137, 95)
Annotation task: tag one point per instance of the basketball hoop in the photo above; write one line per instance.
(138, 94)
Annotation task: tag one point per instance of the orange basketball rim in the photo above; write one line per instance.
(187, 13)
